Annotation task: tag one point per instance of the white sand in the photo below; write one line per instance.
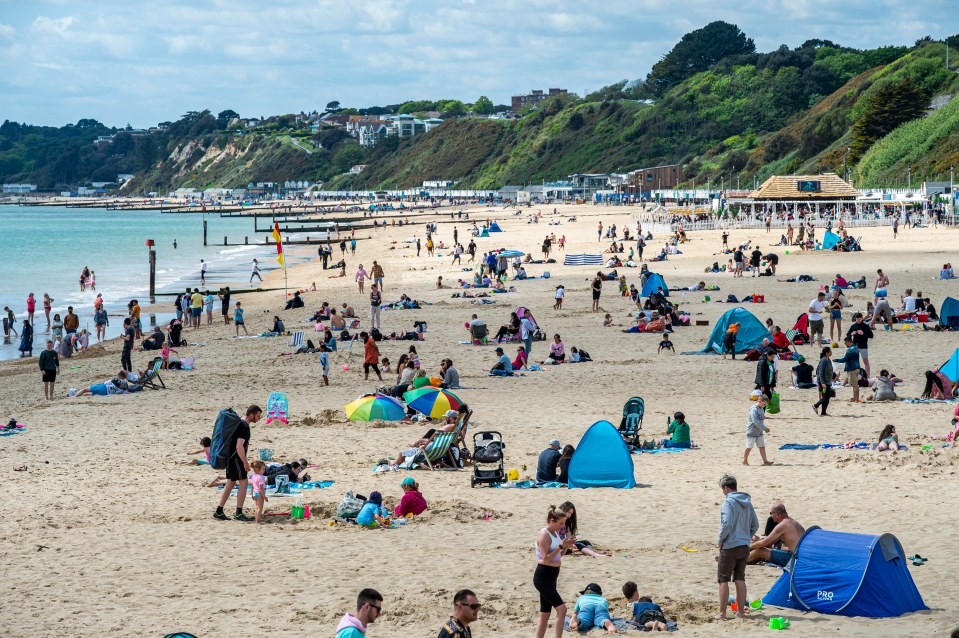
(109, 534)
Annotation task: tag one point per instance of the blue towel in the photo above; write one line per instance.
(798, 446)
(310, 485)
(12, 431)
(929, 400)
(662, 450)
(526, 485)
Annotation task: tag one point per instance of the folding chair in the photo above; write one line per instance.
(441, 445)
(296, 340)
(152, 377)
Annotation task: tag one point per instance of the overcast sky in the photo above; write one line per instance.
(145, 62)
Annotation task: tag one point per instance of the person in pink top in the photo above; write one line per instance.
(520, 361)
(165, 355)
(258, 483)
(361, 277)
(412, 501)
(47, 307)
(557, 350)
(31, 307)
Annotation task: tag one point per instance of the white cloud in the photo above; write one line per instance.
(6, 31)
(53, 26)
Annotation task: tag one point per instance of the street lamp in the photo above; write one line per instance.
(952, 194)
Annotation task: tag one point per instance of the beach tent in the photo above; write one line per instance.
(949, 313)
(494, 228)
(485, 233)
(584, 259)
(829, 240)
(601, 459)
(653, 282)
(848, 575)
(751, 332)
(951, 367)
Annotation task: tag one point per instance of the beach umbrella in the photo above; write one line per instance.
(375, 407)
(511, 253)
(433, 402)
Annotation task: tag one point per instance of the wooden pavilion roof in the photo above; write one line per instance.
(785, 187)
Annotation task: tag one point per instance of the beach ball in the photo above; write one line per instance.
(346, 367)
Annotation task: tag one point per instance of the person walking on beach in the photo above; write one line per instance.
(238, 319)
(101, 320)
(47, 307)
(84, 274)
(224, 296)
(26, 340)
(816, 307)
(755, 429)
(597, 288)
(850, 361)
(174, 244)
(361, 277)
(376, 298)
(466, 608)
(824, 376)
(8, 324)
(378, 275)
(129, 335)
(255, 271)
(49, 366)
(550, 547)
(202, 273)
(737, 525)
(371, 358)
(353, 246)
(71, 322)
(237, 466)
(369, 606)
(208, 300)
(861, 333)
(31, 307)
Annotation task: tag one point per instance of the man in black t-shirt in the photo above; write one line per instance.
(225, 304)
(861, 333)
(738, 260)
(128, 336)
(754, 259)
(772, 260)
(802, 374)
(237, 467)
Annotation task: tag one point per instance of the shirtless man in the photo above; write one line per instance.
(787, 530)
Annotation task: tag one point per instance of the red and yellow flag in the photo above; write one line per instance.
(279, 244)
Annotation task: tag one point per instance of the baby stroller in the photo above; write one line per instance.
(632, 422)
(488, 465)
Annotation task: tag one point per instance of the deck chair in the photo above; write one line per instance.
(152, 377)
(441, 445)
(632, 422)
(296, 340)
(479, 334)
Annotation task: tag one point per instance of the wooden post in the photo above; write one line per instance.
(153, 275)
(224, 240)
(204, 232)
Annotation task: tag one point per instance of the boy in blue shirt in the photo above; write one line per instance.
(325, 363)
(373, 514)
(592, 610)
(645, 612)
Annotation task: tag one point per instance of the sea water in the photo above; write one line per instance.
(44, 249)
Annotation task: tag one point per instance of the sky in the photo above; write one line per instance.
(141, 63)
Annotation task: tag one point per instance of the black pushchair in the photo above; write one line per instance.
(488, 464)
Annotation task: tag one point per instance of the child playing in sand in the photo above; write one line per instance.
(205, 443)
(888, 439)
(258, 483)
(666, 344)
(592, 610)
(325, 363)
(165, 355)
(729, 340)
(373, 514)
(560, 293)
(608, 321)
(643, 610)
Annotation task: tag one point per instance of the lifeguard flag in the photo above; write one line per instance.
(279, 244)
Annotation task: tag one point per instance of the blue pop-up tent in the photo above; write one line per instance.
(829, 240)
(494, 228)
(951, 367)
(848, 575)
(949, 313)
(653, 282)
(601, 459)
(751, 332)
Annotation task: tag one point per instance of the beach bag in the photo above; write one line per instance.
(772, 407)
(225, 427)
(350, 506)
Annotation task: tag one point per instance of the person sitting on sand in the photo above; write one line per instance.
(509, 330)
(503, 366)
(373, 514)
(779, 543)
(888, 439)
(884, 388)
(643, 610)
(278, 326)
(938, 386)
(570, 530)
(947, 272)
(337, 322)
(608, 321)
(780, 340)
(591, 610)
(678, 430)
(412, 502)
(347, 311)
(205, 443)
(802, 374)
(519, 363)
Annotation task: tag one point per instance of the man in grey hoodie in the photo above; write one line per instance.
(738, 523)
(755, 429)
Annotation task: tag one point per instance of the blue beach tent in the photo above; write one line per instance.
(601, 459)
(485, 233)
(847, 575)
(951, 367)
(829, 240)
(751, 332)
(949, 313)
(494, 228)
(653, 282)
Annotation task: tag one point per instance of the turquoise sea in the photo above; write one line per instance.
(43, 249)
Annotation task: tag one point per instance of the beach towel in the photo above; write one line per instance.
(798, 446)
(662, 450)
(277, 408)
(929, 400)
(527, 485)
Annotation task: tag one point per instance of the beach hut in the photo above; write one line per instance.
(653, 282)
(847, 575)
(601, 459)
(494, 228)
(829, 240)
(949, 313)
(751, 332)
(951, 367)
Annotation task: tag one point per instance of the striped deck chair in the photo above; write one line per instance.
(296, 340)
(152, 377)
(441, 445)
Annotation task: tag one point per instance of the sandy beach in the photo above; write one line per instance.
(109, 532)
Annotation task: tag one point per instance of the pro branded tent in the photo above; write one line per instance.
(494, 228)
(751, 332)
(601, 459)
(848, 575)
(829, 240)
(653, 282)
(951, 367)
(949, 313)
